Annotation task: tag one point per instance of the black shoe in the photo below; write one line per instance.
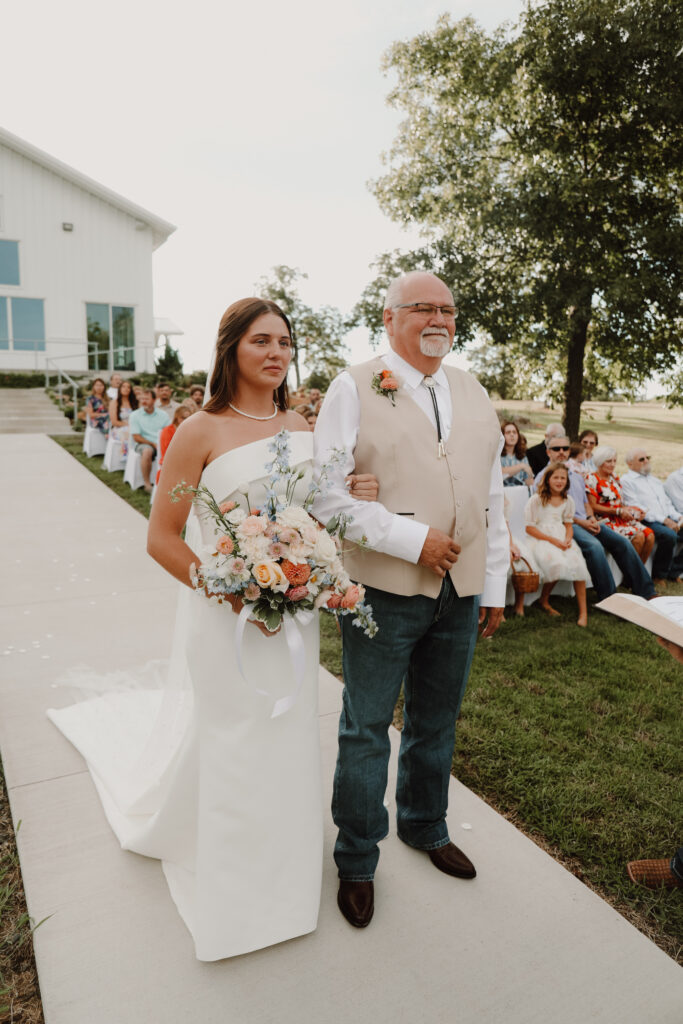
(356, 900)
(453, 861)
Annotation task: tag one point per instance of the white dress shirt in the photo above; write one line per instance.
(337, 427)
(647, 492)
(674, 489)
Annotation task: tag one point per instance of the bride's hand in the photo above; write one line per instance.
(237, 604)
(362, 486)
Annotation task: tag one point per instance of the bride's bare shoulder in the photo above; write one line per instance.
(295, 422)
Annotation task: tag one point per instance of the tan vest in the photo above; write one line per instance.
(398, 444)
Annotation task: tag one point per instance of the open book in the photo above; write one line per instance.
(663, 616)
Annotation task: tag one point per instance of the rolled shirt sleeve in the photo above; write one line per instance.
(497, 541)
(337, 427)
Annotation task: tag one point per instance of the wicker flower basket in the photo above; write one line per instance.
(524, 582)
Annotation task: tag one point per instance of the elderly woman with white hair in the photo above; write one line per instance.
(605, 496)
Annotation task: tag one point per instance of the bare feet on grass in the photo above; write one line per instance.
(582, 620)
(549, 609)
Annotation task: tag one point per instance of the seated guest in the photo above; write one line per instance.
(515, 465)
(197, 395)
(606, 499)
(588, 439)
(311, 418)
(660, 515)
(183, 412)
(120, 409)
(538, 454)
(164, 399)
(577, 459)
(519, 550)
(596, 540)
(549, 518)
(674, 489)
(314, 397)
(114, 383)
(145, 425)
(96, 406)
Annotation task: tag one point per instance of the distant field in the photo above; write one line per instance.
(650, 424)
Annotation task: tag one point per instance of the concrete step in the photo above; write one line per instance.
(30, 411)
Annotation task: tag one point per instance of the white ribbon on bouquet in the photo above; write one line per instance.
(297, 654)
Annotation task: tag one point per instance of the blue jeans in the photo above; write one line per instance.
(664, 565)
(593, 547)
(427, 644)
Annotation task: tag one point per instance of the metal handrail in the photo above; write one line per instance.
(62, 373)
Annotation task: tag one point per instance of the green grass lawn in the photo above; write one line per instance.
(572, 734)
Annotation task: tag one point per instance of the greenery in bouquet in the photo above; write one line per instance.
(277, 558)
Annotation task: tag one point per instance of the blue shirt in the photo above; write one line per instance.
(147, 424)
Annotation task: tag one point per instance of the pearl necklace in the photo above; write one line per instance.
(251, 417)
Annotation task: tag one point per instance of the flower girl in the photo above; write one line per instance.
(549, 516)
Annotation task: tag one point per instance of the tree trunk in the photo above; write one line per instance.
(579, 319)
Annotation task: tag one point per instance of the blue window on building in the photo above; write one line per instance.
(28, 325)
(9, 262)
(4, 323)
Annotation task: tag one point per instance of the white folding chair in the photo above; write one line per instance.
(94, 440)
(114, 461)
(133, 473)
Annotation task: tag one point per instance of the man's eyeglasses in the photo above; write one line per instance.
(427, 309)
(559, 448)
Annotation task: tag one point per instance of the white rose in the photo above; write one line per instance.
(324, 549)
(294, 516)
(237, 516)
(254, 549)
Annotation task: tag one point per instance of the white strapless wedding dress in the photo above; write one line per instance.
(199, 775)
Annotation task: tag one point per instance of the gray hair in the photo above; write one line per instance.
(554, 430)
(631, 454)
(602, 453)
(395, 290)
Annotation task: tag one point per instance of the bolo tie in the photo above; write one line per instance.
(429, 384)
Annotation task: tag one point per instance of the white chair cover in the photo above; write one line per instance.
(94, 441)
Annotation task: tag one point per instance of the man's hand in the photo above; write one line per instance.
(672, 525)
(362, 486)
(439, 552)
(591, 524)
(494, 616)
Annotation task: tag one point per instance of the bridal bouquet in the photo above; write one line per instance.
(277, 558)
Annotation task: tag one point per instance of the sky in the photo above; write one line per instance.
(253, 128)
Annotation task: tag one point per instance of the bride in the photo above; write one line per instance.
(199, 774)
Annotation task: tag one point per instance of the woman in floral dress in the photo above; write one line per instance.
(96, 406)
(603, 489)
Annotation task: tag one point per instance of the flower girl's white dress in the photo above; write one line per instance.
(199, 775)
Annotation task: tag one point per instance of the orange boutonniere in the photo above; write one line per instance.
(384, 383)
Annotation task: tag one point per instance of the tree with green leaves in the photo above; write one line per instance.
(317, 334)
(542, 165)
(169, 365)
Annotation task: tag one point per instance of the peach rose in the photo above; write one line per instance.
(225, 545)
(351, 597)
(389, 385)
(227, 506)
(334, 601)
(297, 593)
(253, 525)
(296, 573)
(270, 576)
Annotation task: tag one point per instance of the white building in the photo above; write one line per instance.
(75, 268)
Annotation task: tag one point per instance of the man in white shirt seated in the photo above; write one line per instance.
(165, 400)
(674, 489)
(646, 491)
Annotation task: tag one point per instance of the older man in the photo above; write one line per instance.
(145, 424)
(538, 454)
(437, 541)
(674, 489)
(594, 539)
(647, 492)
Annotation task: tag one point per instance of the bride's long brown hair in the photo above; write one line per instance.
(234, 324)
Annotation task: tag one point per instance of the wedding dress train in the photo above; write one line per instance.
(200, 776)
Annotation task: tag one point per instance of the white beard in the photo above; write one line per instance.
(429, 346)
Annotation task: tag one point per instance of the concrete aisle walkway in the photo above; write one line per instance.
(524, 943)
